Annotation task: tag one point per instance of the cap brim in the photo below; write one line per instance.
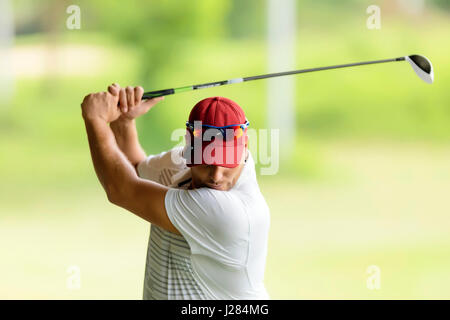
(224, 155)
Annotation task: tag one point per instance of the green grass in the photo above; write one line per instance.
(323, 236)
(387, 208)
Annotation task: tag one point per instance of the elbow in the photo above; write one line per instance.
(112, 198)
(120, 193)
(114, 195)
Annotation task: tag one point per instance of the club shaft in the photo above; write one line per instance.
(158, 93)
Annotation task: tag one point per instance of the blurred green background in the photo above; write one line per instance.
(368, 182)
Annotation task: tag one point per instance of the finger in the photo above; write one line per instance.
(138, 93)
(151, 102)
(123, 100)
(87, 97)
(115, 99)
(114, 96)
(113, 90)
(116, 85)
(130, 96)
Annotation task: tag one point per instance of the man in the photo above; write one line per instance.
(209, 221)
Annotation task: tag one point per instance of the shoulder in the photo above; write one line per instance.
(166, 159)
(222, 212)
(151, 167)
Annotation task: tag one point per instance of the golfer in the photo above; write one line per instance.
(209, 220)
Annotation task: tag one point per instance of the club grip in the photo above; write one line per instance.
(158, 93)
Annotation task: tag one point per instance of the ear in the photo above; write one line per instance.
(186, 153)
(246, 148)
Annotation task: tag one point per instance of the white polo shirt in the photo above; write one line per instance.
(222, 250)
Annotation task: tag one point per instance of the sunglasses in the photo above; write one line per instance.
(230, 132)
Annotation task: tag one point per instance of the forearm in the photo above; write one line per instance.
(114, 171)
(127, 139)
(111, 166)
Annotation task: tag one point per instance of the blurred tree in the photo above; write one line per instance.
(158, 28)
(48, 18)
(247, 19)
(161, 31)
(6, 39)
(443, 4)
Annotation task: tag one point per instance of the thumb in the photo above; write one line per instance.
(151, 102)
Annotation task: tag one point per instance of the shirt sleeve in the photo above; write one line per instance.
(160, 167)
(213, 222)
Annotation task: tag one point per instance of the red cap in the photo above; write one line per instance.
(217, 112)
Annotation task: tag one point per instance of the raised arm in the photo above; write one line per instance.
(116, 174)
(124, 128)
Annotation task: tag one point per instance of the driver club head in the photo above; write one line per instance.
(422, 67)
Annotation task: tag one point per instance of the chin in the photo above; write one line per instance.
(214, 187)
(220, 187)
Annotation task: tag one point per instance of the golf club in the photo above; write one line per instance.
(421, 66)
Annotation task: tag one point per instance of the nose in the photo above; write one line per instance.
(216, 174)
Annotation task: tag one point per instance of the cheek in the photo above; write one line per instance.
(232, 177)
(199, 175)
